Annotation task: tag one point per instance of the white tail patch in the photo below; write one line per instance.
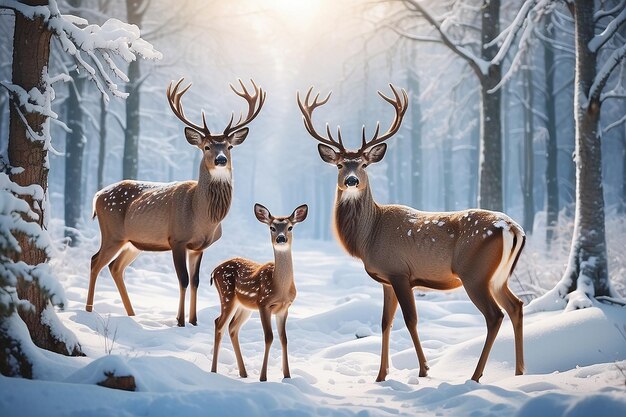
(509, 254)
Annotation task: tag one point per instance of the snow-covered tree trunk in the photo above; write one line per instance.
(29, 160)
(135, 10)
(490, 185)
(102, 145)
(552, 183)
(528, 180)
(74, 151)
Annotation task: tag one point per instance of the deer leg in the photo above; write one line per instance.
(241, 316)
(390, 304)
(108, 251)
(228, 310)
(404, 294)
(513, 307)
(180, 264)
(117, 267)
(485, 302)
(266, 322)
(194, 267)
(281, 321)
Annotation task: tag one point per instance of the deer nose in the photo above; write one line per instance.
(351, 181)
(221, 160)
(281, 239)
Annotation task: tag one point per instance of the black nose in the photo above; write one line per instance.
(221, 160)
(351, 181)
(281, 239)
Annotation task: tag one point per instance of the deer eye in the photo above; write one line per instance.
(206, 147)
(230, 146)
(272, 228)
(290, 228)
(339, 166)
(364, 166)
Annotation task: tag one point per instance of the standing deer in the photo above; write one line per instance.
(244, 286)
(183, 217)
(403, 248)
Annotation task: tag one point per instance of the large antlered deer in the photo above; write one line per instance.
(403, 248)
(183, 217)
(244, 286)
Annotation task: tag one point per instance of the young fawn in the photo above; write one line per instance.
(244, 286)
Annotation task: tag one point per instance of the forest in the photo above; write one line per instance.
(430, 114)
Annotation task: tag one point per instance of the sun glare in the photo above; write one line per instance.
(297, 11)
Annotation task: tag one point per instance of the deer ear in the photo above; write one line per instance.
(194, 137)
(262, 214)
(375, 154)
(239, 136)
(327, 154)
(299, 214)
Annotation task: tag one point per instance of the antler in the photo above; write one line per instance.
(255, 102)
(307, 110)
(400, 105)
(173, 97)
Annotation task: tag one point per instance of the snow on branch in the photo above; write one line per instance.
(478, 64)
(600, 39)
(602, 77)
(92, 46)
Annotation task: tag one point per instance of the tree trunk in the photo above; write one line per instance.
(74, 151)
(474, 152)
(135, 10)
(588, 255)
(622, 206)
(416, 136)
(130, 165)
(31, 51)
(103, 142)
(490, 186)
(528, 182)
(552, 183)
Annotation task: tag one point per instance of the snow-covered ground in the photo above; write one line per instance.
(576, 361)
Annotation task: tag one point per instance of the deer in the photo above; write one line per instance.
(245, 286)
(403, 248)
(182, 217)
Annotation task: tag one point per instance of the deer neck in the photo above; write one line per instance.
(355, 220)
(213, 194)
(283, 268)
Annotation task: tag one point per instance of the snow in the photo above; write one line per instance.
(574, 360)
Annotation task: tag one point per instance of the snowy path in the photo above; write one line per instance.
(571, 358)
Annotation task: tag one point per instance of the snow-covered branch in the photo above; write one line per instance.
(479, 65)
(600, 39)
(605, 72)
(91, 45)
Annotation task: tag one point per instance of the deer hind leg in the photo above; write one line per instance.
(513, 307)
(228, 310)
(108, 251)
(484, 300)
(241, 316)
(194, 267)
(281, 322)
(404, 294)
(179, 253)
(117, 267)
(266, 322)
(390, 304)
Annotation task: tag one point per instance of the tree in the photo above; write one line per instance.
(597, 57)
(28, 287)
(487, 68)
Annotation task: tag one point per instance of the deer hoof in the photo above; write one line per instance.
(194, 322)
(380, 378)
(181, 323)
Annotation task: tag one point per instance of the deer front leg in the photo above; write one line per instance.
(404, 294)
(266, 322)
(179, 254)
(194, 266)
(390, 304)
(281, 321)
